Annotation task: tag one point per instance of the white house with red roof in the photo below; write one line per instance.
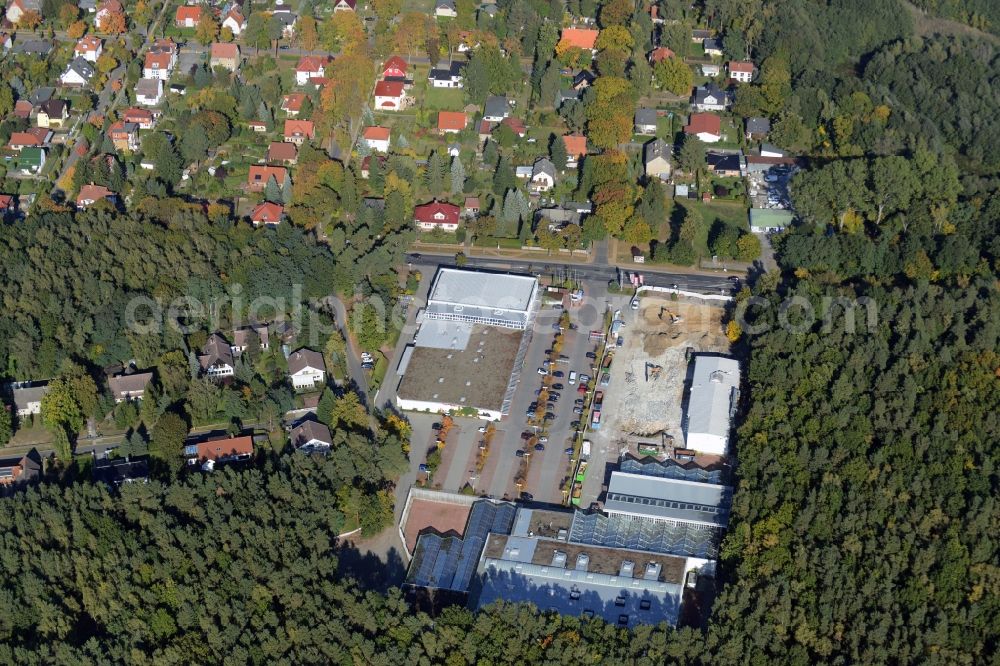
(389, 96)
(310, 67)
(234, 20)
(160, 60)
(436, 215)
(394, 69)
(741, 70)
(89, 48)
(267, 214)
(377, 138)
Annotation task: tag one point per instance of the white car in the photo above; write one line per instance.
(542, 371)
(482, 428)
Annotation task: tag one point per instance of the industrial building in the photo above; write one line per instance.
(659, 499)
(715, 391)
(469, 348)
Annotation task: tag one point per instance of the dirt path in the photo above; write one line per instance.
(925, 24)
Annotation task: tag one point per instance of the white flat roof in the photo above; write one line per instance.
(483, 290)
(714, 385)
(671, 499)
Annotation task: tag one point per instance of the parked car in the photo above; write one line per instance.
(527, 497)
(519, 453)
(482, 428)
(558, 374)
(424, 468)
(543, 371)
(591, 355)
(543, 440)
(578, 402)
(574, 425)
(539, 447)
(578, 410)
(584, 378)
(553, 395)
(558, 387)
(526, 435)
(569, 451)
(620, 341)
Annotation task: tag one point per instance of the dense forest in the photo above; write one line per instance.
(865, 520)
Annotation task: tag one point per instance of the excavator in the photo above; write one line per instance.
(674, 317)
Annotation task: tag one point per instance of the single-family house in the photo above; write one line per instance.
(449, 76)
(30, 160)
(115, 471)
(436, 215)
(309, 67)
(282, 152)
(89, 48)
(160, 60)
(144, 118)
(523, 172)
(21, 140)
(209, 453)
(710, 69)
(543, 175)
(259, 175)
(725, 164)
(292, 103)
(224, 55)
(389, 96)
(310, 437)
(471, 207)
(345, 5)
(78, 73)
(376, 138)
(367, 162)
(89, 6)
(741, 70)
(34, 47)
(445, 9)
(645, 121)
(583, 80)
(258, 126)
(757, 128)
(125, 136)
(284, 16)
(516, 126)
(706, 126)
(394, 69)
(91, 194)
(52, 113)
(18, 8)
(657, 159)
(129, 387)
(187, 16)
(149, 92)
(699, 36)
(306, 369)
(26, 397)
(710, 98)
(576, 149)
(234, 20)
(6, 41)
(267, 214)
(496, 108)
(451, 122)
(299, 131)
(567, 95)
(23, 108)
(216, 357)
(659, 54)
(8, 205)
(106, 9)
(243, 337)
(770, 150)
(713, 47)
(19, 472)
(557, 218)
(584, 39)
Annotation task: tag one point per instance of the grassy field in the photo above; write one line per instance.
(444, 99)
(733, 214)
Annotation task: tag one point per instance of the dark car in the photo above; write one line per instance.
(558, 374)
(519, 453)
(549, 417)
(557, 387)
(554, 396)
(526, 435)
(436, 426)
(530, 414)
(550, 405)
(574, 425)
(539, 447)
(734, 278)
(569, 451)
(527, 497)
(591, 355)
(578, 410)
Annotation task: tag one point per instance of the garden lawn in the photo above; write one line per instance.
(444, 99)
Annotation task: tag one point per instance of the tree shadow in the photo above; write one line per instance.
(370, 571)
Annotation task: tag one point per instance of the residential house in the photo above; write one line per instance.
(78, 73)
(125, 136)
(567, 95)
(445, 9)
(699, 36)
(6, 41)
(91, 194)
(284, 16)
(216, 358)
(144, 118)
(523, 172)
(23, 109)
(21, 140)
(516, 126)
(34, 47)
(757, 128)
(106, 9)
(367, 161)
(451, 122)
(8, 205)
(377, 138)
(345, 5)
(243, 337)
(447, 77)
(292, 103)
(225, 55)
(282, 152)
(17, 473)
(299, 131)
(89, 48)
(221, 450)
(129, 387)
(725, 164)
(770, 150)
(584, 39)
(267, 214)
(556, 218)
(741, 70)
(187, 16)
(471, 207)
(30, 160)
(389, 96)
(576, 149)
(149, 92)
(260, 174)
(645, 121)
(310, 67)
(52, 113)
(543, 175)
(583, 80)
(310, 437)
(257, 126)
(496, 108)
(659, 54)
(306, 369)
(394, 69)
(118, 470)
(436, 215)
(160, 60)
(17, 9)
(710, 98)
(234, 20)
(657, 159)
(705, 126)
(26, 397)
(89, 6)
(713, 47)
(710, 69)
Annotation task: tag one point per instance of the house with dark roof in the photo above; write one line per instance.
(129, 387)
(656, 158)
(306, 369)
(757, 128)
(78, 73)
(710, 98)
(496, 108)
(645, 121)
(447, 77)
(116, 471)
(445, 9)
(310, 437)
(543, 175)
(16, 473)
(713, 47)
(52, 113)
(216, 358)
(724, 164)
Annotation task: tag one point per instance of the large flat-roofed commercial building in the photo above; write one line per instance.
(660, 499)
(475, 297)
(715, 390)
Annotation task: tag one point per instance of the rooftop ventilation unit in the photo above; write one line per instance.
(627, 568)
(582, 562)
(559, 559)
(652, 571)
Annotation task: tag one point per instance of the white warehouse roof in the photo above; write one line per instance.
(497, 299)
(715, 386)
(660, 498)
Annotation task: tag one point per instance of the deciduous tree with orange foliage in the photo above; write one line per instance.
(113, 23)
